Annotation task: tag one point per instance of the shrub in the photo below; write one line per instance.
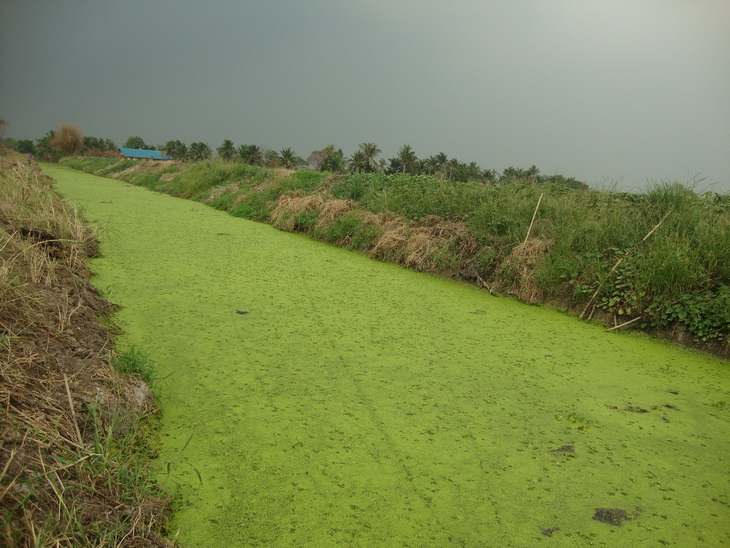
(67, 140)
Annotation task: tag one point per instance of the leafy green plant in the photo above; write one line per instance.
(446, 258)
(365, 236)
(117, 166)
(705, 314)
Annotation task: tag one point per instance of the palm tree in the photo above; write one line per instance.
(407, 160)
(243, 153)
(428, 165)
(532, 174)
(227, 151)
(358, 162)
(437, 164)
(489, 175)
(512, 173)
(473, 171)
(199, 151)
(454, 170)
(370, 151)
(256, 156)
(394, 166)
(251, 155)
(177, 149)
(287, 158)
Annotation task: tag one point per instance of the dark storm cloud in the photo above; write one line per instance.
(617, 91)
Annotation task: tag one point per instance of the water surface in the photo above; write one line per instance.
(325, 398)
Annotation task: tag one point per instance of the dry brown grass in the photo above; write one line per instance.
(290, 206)
(520, 266)
(429, 245)
(67, 139)
(63, 405)
(333, 208)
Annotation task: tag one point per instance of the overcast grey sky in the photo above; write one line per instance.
(614, 91)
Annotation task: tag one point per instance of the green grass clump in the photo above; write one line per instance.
(306, 220)
(90, 164)
(223, 201)
(134, 361)
(308, 180)
(254, 206)
(341, 229)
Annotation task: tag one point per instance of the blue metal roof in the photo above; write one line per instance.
(140, 153)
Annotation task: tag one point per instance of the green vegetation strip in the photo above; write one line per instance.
(312, 396)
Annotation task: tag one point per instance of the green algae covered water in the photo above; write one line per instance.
(314, 397)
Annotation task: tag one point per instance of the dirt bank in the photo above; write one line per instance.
(70, 423)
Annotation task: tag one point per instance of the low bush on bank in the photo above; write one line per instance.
(658, 260)
(71, 443)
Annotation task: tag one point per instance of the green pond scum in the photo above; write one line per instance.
(315, 397)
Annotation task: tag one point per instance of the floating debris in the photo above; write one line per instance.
(612, 516)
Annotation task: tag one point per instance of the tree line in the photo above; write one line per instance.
(67, 140)
(364, 160)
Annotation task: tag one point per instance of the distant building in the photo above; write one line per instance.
(146, 154)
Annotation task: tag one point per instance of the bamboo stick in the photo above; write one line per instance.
(527, 236)
(624, 324)
(79, 439)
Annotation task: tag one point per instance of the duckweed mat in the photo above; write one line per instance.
(314, 397)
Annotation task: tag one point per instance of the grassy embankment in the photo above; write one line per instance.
(658, 261)
(71, 424)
